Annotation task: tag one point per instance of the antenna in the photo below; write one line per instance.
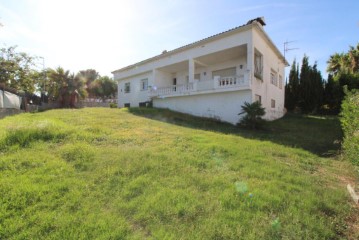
(286, 49)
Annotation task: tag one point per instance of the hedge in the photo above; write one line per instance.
(350, 125)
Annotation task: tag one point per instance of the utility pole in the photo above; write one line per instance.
(44, 81)
(286, 48)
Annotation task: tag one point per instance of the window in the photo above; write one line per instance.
(142, 104)
(273, 78)
(127, 105)
(258, 65)
(258, 98)
(280, 79)
(144, 84)
(127, 87)
(272, 103)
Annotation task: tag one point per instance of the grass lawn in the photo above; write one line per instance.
(99, 173)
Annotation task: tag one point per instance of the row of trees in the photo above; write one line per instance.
(304, 89)
(307, 91)
(19, 71)
(62, 85)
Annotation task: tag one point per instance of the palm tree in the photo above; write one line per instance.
(346, 63)
(254, 113)
(354, 58)
(65, 87)
(57, 80)
(334, 63)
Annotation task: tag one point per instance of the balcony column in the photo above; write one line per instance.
(153, 83)
(154, 73)
(190, 70)
(250, 62)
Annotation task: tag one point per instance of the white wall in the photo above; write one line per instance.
(135, 96)
(264, 88)
(161, 79)
(223, 106)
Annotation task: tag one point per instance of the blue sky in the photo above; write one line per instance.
(109, 34)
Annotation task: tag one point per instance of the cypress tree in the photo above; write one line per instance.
(305, 88)
(305, 83)
(292, 88)
(317, 90)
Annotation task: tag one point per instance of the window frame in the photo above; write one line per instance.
(280, 81)
(258, 98)
(272, 103)
(258, 64)
(127, 87)
(273, 78)
(144, 87)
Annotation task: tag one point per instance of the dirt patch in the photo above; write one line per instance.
(353, 223)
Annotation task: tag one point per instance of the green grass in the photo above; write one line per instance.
(153, 174)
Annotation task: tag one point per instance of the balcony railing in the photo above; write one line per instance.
(174, 89)
(216, 84)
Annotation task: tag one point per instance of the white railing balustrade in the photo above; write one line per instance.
(215, 84)
(232, 81)
(172, 90)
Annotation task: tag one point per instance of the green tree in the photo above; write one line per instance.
(62, 86)
(317, 90)
(292, 88)
(344, 67)
(354, 59)
(89, 76)
(350, 124)
(305, 88)
(338, 63)
(305, 84)
(332, 95)
(17, 70)
(57, 79)
(103, 87)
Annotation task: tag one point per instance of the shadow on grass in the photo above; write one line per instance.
(319, 135)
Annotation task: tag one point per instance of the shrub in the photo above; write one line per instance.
(254, 113)
(350, 125)
(113, 105)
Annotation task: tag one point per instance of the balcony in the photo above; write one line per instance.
(217, 84)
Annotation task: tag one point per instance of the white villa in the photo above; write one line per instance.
(212, 77)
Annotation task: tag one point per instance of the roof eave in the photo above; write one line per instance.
(188, 46)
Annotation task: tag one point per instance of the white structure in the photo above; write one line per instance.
(212, 77)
